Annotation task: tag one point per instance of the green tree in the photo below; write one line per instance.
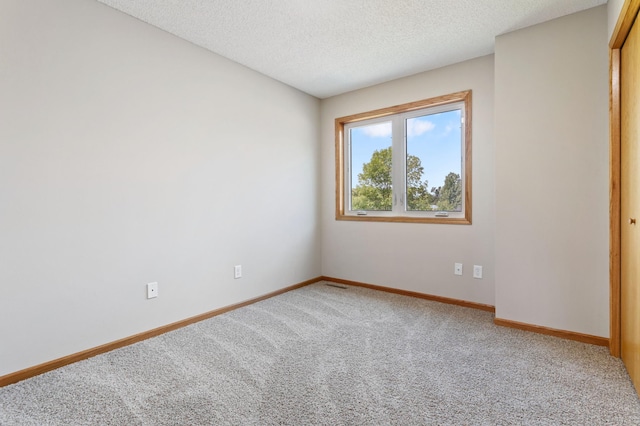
(374, 190)
(418, 197)
(435, 193)
(450, 194)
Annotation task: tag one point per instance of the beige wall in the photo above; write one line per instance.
(551, 100)
(128, 156)
(613, 11)
(417, 257)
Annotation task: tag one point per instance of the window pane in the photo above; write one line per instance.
(434, 162)
(371, 167)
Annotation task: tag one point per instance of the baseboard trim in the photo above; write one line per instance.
(79, 356)
(570, 335)
(70, 359)
(425, 296)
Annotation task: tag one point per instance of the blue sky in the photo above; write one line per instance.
(435, 139)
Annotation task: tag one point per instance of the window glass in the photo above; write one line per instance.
(371, 184)
(433, 162)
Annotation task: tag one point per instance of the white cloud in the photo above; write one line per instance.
(381, 130)
(418, 127)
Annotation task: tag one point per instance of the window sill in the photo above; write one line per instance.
(406, 219)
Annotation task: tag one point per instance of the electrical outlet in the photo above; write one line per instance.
(477, 271)
(152, 290)
(457, 268)
(237, 271)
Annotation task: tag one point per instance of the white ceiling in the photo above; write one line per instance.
(328, 47)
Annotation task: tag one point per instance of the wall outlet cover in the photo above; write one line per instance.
(457, 268)
(152, 290)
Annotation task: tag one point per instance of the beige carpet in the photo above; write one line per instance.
(327, 356)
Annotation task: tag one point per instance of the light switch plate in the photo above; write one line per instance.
(477, 271)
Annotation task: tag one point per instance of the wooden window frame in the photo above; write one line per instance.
(464, 97)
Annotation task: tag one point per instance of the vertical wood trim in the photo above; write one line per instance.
(614, 202)
(468, 158)
(623, 26)
(339, 129)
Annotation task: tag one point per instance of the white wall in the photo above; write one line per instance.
(416, 257)
(551, 99)
(613, 11)
(128, 156)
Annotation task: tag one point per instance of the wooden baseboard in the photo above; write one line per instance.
(70, 359)
(570, 335)
(440, 299)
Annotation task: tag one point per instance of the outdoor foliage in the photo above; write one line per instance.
(374, 190)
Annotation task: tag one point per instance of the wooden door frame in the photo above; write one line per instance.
(623, 26)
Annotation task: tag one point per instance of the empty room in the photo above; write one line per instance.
(319, 212)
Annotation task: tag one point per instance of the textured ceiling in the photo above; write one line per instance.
(328, 47)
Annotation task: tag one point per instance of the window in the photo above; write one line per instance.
(407, 163)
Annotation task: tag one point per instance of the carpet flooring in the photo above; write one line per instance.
(321, 355)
